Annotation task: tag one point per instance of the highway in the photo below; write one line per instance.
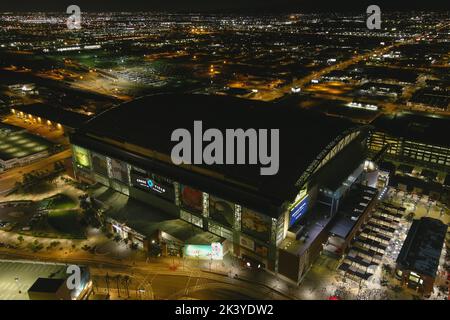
(156, 280)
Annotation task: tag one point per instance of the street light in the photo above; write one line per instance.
(141, 291)
(16, 279)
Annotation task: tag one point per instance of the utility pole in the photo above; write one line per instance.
(107, 282)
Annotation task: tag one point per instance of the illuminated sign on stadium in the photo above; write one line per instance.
(150, 184)
(298, 210)
(165, 190)
(214, 251)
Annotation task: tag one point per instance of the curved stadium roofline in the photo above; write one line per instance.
(308, 139)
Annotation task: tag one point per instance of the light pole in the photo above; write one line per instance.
(16, 279)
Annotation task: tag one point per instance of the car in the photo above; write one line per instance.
(296, 89)
(251, 263)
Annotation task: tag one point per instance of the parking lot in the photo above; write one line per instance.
(16, 144)
(15, 213)
(39, 129)
(367, 271)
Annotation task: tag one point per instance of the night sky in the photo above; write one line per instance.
(223, 5)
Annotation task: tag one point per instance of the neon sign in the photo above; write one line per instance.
(150, 184)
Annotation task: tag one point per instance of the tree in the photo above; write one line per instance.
(126, 281)
(107, 282)
(118, 284)
(410, 216)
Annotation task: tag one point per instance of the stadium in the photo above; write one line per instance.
(280, 221)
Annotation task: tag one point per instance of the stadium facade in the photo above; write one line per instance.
(268, 219)
(413, 138)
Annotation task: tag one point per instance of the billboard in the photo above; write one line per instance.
(247, 243)
(221, 211)
(99, 164)
(299, 210)
(81, 157)
(213, 251)
(255, 224)
(119, 171)
(191, 199)
(261, 250)
(154, 185)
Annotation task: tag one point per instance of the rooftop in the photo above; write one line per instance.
(313, 228)
(422, 248)
(147, 123)
(26, 273)
(19, 144)
(351, 210)
(46, 285)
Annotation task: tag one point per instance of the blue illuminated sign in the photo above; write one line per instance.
(149, 184)
(298, 211)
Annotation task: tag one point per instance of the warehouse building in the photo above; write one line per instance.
(413, 138)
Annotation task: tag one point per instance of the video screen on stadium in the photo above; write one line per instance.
(99, 164)
(298, 211)
(221, 211)
(154, 185)
(255, 224)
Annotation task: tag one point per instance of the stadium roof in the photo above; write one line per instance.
(421, 128)
(351, 210)
(148, 122)
(64, 117)
(422, 248)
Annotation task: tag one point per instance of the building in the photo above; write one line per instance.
(381, 89)
(23, 88)
(31, 280)
(49, 289)
(57, 118)
(128, 149)
(18, 147)
(418, 260)
(413, 138)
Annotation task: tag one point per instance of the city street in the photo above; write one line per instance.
(10, 177)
